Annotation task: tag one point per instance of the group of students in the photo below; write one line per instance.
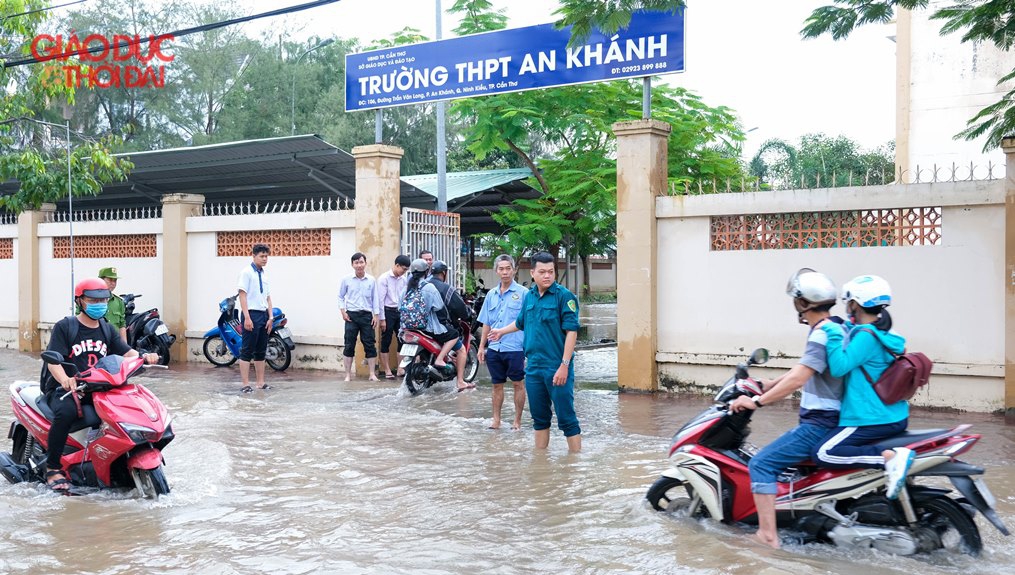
(841, 416)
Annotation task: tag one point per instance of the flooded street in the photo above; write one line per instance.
(320, 476)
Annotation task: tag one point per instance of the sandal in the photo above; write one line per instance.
(60, 485)
(389, 376)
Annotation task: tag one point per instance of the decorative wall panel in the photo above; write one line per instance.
(121, 246)
(848, 229)
(315, 242)
(6, 248)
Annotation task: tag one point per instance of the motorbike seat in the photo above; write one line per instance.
(89, 417)
(910, 436)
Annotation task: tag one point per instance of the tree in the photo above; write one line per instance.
(584, 16)
(821, 161)
(27, 153)
(990, 21)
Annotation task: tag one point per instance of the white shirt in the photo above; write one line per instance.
(257, 291)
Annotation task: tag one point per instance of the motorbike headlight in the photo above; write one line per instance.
(140, 433)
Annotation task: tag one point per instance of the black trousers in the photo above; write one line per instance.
(359, 324)
(392, 321)
(65, 413)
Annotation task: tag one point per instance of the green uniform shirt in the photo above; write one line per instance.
(546, 320)
(116, 313)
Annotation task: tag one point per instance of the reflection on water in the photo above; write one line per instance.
(320, 476)
(598, 322)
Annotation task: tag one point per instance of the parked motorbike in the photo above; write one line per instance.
(117, 443)
(146, 332)
(419, 351)
(475, 304)
(223, 342)
(848, 508)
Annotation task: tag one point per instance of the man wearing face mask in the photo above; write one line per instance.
(82, 339)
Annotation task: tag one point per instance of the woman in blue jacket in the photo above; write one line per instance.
(864, 418)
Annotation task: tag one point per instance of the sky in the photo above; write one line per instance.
(744, 54)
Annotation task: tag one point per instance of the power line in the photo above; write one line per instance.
(175, 34)
(47, 9)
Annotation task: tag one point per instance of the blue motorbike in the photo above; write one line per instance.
(222, 343)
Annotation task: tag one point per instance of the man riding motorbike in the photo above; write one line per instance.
(457, 311)
(813, 295)
(82, 339)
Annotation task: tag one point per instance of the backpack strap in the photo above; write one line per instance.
(878, 338)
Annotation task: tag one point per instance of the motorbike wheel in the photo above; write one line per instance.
(955, 529)
(163, 351)
(669, 494)
(278, 355)
(471, 366)
(217, 352)
(417, 377)
(150, 483)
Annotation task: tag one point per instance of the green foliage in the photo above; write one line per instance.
(584, 16)
(821, 161)
(990, 21)
(24, 155)
(477, 16)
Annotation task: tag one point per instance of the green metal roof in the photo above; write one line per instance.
(462, 184)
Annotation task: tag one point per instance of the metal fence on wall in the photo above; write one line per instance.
(438, 232)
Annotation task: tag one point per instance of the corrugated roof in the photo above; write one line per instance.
(461, 184)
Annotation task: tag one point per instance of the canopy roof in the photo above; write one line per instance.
(291, 168)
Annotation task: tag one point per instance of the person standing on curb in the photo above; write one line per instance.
(116, 313)
(256, 309)
(505, 358)
(549, 318)
(390, 290)
(361, 310)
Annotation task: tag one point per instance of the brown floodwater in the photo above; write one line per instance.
(321, 476)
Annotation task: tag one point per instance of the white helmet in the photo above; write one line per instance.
(814, 287)
(868, 291)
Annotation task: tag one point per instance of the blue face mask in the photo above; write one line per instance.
(96, 310)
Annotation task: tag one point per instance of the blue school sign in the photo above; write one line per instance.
(511, 61)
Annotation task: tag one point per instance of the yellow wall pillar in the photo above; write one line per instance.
(641, 177)
(176, 208)
(378, 211)
(28, 277)
(1008, 145)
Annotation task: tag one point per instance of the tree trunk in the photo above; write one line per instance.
(586, 276)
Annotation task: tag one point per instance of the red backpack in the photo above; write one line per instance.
(908, 373)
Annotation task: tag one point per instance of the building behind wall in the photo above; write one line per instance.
(942, 83)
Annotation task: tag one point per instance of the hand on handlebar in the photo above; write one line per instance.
(151, 358)
(70, 385)
(741, 403)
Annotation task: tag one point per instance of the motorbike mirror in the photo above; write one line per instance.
(52, 357)
(742, 371)
(758, 356)
(480, 281)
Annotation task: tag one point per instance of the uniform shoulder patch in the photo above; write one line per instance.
(571, 306)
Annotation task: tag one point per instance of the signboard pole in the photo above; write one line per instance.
(646, 98)
(379, 126)
(442, 167)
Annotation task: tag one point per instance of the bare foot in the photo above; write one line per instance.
(373, 378)
(516, 425)
(348, 377)
(494, 425)
(759, 538)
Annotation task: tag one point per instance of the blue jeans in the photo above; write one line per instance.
(789, 449)
(541, 392)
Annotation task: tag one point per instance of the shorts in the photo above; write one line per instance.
(505, 365)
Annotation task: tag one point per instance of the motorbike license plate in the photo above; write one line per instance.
(409, 350)
(981, 486)
(284, 332)
(161, 330)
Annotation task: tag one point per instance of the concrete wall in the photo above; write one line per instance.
(604, 274)
(948, 83)
(715, 306)
(9, 291)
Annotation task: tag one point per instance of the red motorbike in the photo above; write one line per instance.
(848, 508)
(419, 351)
(117, 442)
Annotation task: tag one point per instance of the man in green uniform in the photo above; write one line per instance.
(116, 313)
(549, 318)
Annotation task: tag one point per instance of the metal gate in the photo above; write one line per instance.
(439, 232)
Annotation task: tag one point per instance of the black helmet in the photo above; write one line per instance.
(439, 267)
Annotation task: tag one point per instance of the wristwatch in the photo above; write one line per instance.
(757, 401)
